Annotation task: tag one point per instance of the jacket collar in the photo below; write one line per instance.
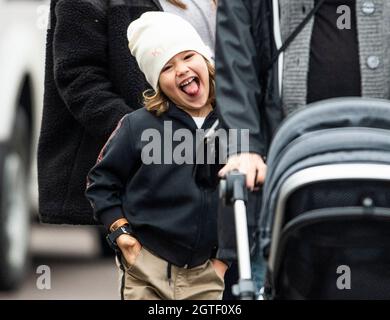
(178, 114)
(158, 4)
(114, 3)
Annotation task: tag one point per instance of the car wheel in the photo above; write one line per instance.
(14, 205)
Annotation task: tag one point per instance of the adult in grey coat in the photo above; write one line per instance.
(343, 50)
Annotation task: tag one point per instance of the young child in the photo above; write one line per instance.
(163, 224)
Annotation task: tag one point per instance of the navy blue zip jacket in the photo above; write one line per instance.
(168, 213)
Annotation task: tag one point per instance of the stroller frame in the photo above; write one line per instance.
(332, 172)
(325, 201)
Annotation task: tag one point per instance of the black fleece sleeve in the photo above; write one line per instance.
(107, 180)
(80, 67)
(237, 84)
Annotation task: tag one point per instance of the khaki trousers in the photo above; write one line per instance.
(149, 278)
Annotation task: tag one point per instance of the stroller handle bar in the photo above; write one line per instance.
(242, 246)
(233, 191)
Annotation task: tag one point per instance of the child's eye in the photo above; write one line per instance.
(166, 68)
(188, 56)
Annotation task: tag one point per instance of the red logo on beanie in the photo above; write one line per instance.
(157, 51)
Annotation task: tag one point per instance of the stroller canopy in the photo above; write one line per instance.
(321, 133)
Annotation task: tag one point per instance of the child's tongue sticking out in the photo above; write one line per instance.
(192, 88)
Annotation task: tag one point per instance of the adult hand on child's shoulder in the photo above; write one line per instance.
(250, 164)
(130, 247)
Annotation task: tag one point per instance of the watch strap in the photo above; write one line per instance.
(111, 237)
(118, 223)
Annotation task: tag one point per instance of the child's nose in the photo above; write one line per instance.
(181, 69)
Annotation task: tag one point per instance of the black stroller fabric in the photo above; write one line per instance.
(328, 224)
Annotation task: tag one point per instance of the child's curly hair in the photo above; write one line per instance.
(157, 101)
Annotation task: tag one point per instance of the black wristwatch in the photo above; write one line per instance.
(111, 237)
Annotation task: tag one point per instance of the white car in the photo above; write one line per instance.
(23, 25)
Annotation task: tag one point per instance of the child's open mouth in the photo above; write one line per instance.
(190, 86)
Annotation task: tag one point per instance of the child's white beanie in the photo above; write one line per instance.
(157, 36)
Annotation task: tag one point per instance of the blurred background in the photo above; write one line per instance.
(37, 261)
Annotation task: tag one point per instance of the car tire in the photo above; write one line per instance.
(15, 216)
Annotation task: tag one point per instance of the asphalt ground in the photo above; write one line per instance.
(66, 264)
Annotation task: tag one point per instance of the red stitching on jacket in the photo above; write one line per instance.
(100, 157)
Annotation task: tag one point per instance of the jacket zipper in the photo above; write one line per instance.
(200, 217)
(204, 193)
(204, 200)
(278, 42)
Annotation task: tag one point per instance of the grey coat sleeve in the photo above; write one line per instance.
(238, 87)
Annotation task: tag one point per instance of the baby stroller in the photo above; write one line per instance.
(325, 220)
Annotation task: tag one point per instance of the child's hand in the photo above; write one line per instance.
(220, 267)
(130, 247)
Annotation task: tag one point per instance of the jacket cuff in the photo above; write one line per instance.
(226, 255)
(254, 146)
(108, 217)
(227, 262)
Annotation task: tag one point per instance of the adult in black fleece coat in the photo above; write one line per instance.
(91, 82)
